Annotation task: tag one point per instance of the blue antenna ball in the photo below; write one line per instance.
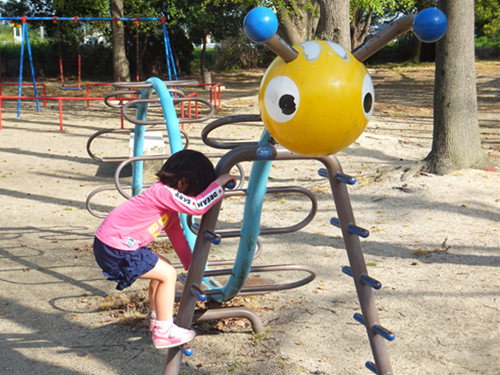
(430, 25)
(260, 24)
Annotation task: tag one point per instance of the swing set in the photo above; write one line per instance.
(25, 39)
(78, 88)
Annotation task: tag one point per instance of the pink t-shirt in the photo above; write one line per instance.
(141, 219)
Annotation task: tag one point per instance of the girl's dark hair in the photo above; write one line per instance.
(191, 166)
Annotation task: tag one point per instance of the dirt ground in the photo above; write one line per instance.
(434, 245)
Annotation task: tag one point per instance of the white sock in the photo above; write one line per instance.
(153, 314)
(163, 326)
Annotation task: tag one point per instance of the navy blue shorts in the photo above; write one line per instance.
(123, 266)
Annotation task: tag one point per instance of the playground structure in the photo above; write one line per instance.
(285, 138)
(215, 98)
(215, 88)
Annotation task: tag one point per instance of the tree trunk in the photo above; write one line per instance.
(334, 18)
(301, 26)
(416, 54)
(358, 29)
(417, 49)
(174, 53)
(456, 139)
(120, 63)
(142, 51)
(202, 57)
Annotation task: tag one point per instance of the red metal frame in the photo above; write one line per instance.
(26, 84)
(213, 99)
(214, 89)
(44, 98)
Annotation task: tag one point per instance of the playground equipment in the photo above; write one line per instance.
(288, 104)
(293, 113)
(25, 37)
(293, 104)
(78, 88)
(174, 133)
(215, 88)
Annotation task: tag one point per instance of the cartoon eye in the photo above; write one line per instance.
(281, 99)
(368, 96)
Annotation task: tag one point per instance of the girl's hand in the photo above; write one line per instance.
(224, 179)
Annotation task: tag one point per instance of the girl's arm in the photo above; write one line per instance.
(175, 200)
(178, 240)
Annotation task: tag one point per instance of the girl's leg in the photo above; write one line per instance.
(165, 334)
(165, 276)
(153, 285)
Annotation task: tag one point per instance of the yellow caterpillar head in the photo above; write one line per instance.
(319, 103)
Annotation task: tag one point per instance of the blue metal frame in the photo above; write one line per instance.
(250, 230)
(24, 31)
(80, 19)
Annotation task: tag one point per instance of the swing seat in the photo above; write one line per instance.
(71, 88)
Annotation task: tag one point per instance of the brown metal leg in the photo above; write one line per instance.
(358, 268)
(194, 277)
(354, 253)
(232, 312)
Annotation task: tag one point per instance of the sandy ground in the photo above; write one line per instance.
(443, 306)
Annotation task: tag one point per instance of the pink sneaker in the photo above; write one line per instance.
(170, 339)
(152, 325)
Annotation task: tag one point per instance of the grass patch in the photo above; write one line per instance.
(161, 247)
(131, 309)
(421, 253)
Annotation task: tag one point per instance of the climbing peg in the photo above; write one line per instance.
(375, 284)
(198, 293)
(341, 177)
(323, 172)
(371, 366)
(359, 318)
(353, 229)
(335, 222)
(347, 270)
(384, 332)
(186, 349)
(212, 237)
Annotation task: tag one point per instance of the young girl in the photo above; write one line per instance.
(186, 184)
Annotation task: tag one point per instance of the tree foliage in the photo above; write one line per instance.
(219, 19)
(487, 18)
(29, 8)
(362, 11)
